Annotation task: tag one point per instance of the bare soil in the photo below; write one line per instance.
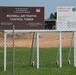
(45, 40)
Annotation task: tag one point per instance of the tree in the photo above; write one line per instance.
(53, 15)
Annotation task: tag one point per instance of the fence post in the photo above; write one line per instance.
(60, 49)
(74, 49)
(5, 37)
(37, 50)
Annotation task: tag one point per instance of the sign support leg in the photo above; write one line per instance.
(31, 54)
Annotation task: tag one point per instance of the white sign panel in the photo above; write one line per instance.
(66, 18)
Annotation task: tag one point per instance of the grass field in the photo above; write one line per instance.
(47, 62)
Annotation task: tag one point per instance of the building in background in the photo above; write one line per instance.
(50, 24)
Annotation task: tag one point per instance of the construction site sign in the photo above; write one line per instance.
(66, 18)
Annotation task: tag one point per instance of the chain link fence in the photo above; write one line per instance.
(26, 54)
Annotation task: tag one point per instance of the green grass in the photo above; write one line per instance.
(47, 62)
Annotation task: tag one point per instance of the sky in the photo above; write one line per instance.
(49, 5)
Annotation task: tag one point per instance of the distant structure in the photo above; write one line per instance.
(50, 24)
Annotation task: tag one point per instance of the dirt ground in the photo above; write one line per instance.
(45, 40)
